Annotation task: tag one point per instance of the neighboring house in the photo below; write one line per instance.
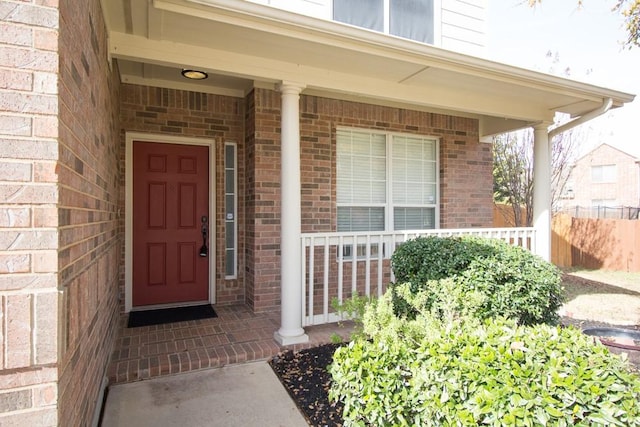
(113, 162)
(604, 177)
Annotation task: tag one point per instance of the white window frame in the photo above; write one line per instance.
(605, 178)
(389, 205)
(386, 21)
(234, 220)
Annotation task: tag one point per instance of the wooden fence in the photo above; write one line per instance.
(608, 244)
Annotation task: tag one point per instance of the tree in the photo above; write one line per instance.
(513, 170)
(513, 174)
(630, 9)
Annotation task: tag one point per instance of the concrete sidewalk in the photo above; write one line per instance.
(245, 395)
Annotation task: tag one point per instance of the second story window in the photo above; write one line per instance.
(411, 19)
(603, 173)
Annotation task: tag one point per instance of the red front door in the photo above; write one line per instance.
(170, 202)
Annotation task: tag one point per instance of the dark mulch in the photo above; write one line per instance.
(304, 375)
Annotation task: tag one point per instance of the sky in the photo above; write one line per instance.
(587, 41)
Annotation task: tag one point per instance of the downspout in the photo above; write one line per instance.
(606, 106)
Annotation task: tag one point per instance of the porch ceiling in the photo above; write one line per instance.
(242, 45)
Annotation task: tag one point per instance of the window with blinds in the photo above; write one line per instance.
(362, 177)
(413, 162)
(386, 181)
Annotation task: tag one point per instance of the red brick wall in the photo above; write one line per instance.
(263, 200)
(249, 178)
(28, 216)
(180, 113)
(89, 176)
(466, 180)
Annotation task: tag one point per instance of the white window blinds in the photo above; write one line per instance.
(414, 182)
(386, 181)
(361, 189)
(414, 170)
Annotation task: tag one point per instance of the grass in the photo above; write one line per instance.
(605, 296)
(621, 279)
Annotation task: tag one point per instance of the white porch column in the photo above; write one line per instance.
(542, 190)
(291, 331)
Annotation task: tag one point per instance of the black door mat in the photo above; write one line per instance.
(170, 315)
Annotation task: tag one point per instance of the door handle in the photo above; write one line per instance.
(204, 251)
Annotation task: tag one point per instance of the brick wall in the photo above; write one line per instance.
(263, 200)
(625, 191)
(249, 179)
(466, 180)
(180, 113)
(89, 177)
(28, 217)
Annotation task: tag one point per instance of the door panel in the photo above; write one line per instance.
(170, 196)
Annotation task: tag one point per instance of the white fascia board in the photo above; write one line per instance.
(256, 16)
(171, 54)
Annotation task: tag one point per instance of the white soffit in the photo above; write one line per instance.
(168, 77)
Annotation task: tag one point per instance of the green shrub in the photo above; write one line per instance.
(512, 281)
(432, 258)
(463, 371)
(518, 284)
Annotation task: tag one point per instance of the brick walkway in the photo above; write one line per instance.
(237, 335)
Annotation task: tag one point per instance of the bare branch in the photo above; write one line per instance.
(513, 170)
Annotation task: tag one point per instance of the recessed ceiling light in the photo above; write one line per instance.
(194, 74)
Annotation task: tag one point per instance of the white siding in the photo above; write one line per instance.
(459, 26)
(464, 26)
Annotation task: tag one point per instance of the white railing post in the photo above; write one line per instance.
(325, 280)
(340, 267)
(303, 277)
(312, 288)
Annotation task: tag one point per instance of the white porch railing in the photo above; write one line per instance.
(329, 270)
